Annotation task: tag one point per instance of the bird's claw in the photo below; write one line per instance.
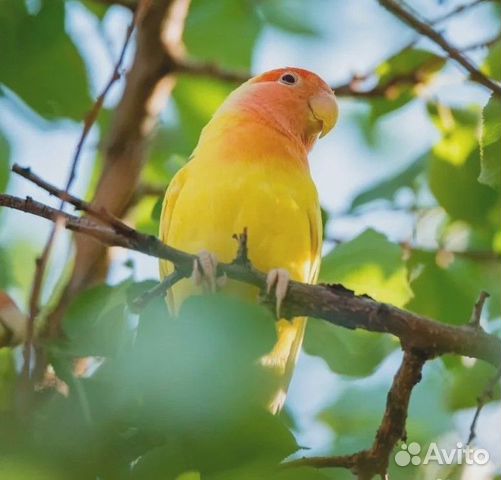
(205, 270)
(279, 279)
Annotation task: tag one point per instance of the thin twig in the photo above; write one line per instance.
(477, 309)
(332, 303)
(461, 8)
(140, 302)
(42, 261)
(400, 10)
(483, 44)
(487, 394)
(98, 213)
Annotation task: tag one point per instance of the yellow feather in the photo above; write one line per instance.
(256, 182)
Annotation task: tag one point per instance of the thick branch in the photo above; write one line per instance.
(332, 303)
(425, 29)
(149, 83)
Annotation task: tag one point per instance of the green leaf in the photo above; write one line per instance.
(98, 9)
(447, 292)
(372, 265)
(477, 377)
(223, 32)
(6, 276)
(492, 65)
(369, 264)
(401, 76)
(387, 188)
(95, 323)
(7, 379)
(292, 16)
(454, 166)
(49, 75)
(195, 100)
(490, 144)
(354, 353)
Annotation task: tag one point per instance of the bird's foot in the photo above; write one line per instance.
(205, 271)
(279, 279)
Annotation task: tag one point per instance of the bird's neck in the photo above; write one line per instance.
(251, 137)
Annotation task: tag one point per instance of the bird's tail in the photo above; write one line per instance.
(282, 359)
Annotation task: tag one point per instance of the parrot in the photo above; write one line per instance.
(250, 171)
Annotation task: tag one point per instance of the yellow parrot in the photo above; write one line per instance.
(250, 170)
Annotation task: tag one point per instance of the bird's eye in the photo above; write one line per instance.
(288, 79)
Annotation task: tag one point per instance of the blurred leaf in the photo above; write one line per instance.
(447, 292)
(412, 64)
(369, 264)
(388, 187)
(492, 66)
(223, 32)
(195, 100)
(477, 377)
(401, 76)
(97, 8)
(49, 60)
(5, 270)
(95, 324)
(454, 167)
(7, 379)
(354, 353)
(4, 162)
(211, 390)
(293, 16)
(490, 173)
(144, 211)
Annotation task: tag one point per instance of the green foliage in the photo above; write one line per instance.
(436, 282)
(387, 188)
(352, 353)
(193, 381)
(232, 27)
(400, 77)
(369, 264)
(183, 398)
(49, 75)
(293, 16)
(492, 67)
(372, 265)
(454, 166)
(490, 173)
(474, 377)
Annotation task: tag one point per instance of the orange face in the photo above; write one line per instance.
(294, 99)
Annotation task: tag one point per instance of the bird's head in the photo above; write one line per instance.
(294, 101)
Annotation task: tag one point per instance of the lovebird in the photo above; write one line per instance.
(250, 171)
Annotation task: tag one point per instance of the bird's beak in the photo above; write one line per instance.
(324, 108)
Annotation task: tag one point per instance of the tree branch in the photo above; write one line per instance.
(368, 463)
(487, 394)
(42, 260)
(149, 83)
(403, 13)
(332, 303)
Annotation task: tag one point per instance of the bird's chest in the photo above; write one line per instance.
(273, 206)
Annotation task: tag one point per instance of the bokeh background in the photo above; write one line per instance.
(407, 220)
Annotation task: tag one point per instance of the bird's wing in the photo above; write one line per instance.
(316, 234)
(168, 206)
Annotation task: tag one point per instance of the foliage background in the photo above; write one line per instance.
(403, 168)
